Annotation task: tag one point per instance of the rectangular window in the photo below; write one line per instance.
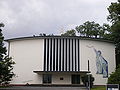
(47, 78)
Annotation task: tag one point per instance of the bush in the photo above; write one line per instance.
(85, 80)
(115, 76)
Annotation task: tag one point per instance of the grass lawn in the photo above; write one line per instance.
(5, 86)
(99, 88)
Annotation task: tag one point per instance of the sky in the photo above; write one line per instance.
(23, 18)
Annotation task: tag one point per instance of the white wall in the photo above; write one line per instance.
(108, 52)
(66, 79)
(28, 56)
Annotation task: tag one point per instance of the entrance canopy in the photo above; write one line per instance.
(64, 72)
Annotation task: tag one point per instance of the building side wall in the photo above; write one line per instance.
(87, 53)
(28, 56)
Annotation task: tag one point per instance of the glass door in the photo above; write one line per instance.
(47, 78)
(75, 79)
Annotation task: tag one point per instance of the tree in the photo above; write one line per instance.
(93, 30)
(114, 10)
(105, 32)
(71, 32)
(114, 17)
(86, 29)
(6, 63)
(115, 77)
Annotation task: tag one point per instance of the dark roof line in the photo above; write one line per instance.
(42, 37)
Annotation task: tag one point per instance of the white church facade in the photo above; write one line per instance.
(57, 60)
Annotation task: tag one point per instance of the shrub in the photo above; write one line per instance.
(115, 76)
(85, 80)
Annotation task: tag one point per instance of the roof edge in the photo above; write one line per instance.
(43, 37)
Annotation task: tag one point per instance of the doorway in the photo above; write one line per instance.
(47, 78)
(75, 79)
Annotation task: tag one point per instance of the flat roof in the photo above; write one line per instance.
(44, 37)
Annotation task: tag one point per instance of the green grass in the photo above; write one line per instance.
(99, 88)
(4, 86)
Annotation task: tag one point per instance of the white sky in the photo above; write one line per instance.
(32, 17)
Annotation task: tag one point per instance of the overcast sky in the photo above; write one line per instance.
(32, 17)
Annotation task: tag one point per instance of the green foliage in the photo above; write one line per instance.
(6, 67)
(6, 63)
(114, 10)
(69, 33)
(115, 77)
(114, 17)
(116, 31)
(93, 30)
(85, 80)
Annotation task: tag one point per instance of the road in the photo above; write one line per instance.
(42, 88)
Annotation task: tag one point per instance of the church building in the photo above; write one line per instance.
(57, 60)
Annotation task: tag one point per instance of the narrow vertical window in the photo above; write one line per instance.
(44, 54)
(66, 56)
(47, 54)
(75, 57)
(51, 55)
(54, 55)
(78, 57)
(72, 55)
(57, 55)
(69, 54)
(63, 57)
(60, 56)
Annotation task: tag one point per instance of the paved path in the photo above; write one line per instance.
(42, 88)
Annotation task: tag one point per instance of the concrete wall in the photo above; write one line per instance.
(56, 79)
(28, 56)
(87, 53)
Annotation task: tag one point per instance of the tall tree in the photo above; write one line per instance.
(94, 30)
(71, 32)
(6, 63)
(114, 17)
(114, 10)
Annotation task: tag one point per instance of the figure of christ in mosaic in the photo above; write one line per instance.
(101, 63)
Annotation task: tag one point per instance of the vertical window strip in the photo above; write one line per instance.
(69, 54)
(51, 54)
(72, 56)
(75, 56)
(66, 56)
(54, 55)
(78, 57)
(57, 55)
(63, 57)
(44, 54)
(60, 55)
(58, 52)
(47, 54)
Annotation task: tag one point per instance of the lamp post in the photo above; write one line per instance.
(88, 76)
